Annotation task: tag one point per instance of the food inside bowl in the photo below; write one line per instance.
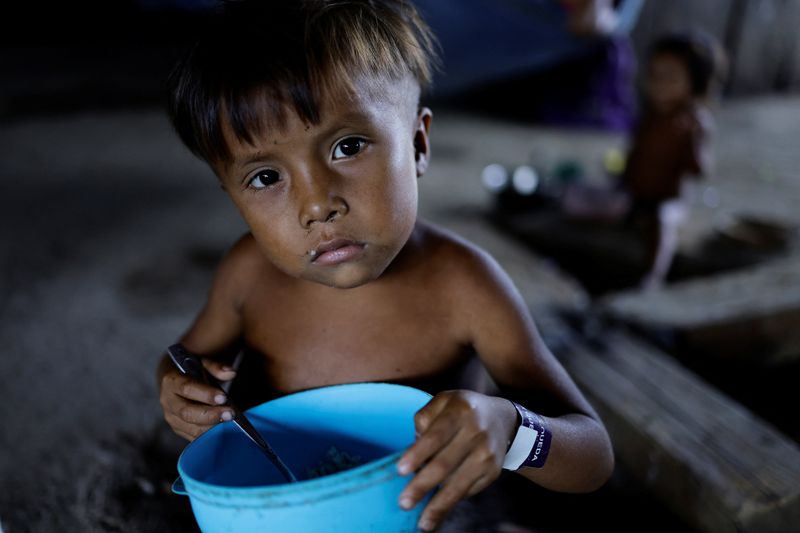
(334, 461)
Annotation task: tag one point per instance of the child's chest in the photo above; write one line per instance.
(308, 344)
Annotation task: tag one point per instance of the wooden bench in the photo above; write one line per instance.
(582, 248)
(702, 454)
(607, 257)
(750, 314)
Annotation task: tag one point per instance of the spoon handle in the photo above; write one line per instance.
(190, 365)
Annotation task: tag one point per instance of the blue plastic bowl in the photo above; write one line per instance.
(233, 487)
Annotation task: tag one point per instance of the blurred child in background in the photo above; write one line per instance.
(670, 143)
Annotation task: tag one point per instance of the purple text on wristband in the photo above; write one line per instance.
(541, 448)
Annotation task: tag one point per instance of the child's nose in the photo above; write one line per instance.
(322, 208)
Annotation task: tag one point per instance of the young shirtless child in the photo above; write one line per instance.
(669, 145)
(308, 113)
(671, 142)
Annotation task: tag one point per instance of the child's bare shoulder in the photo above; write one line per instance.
(240, 267)
(459, 262)
(490, 313)
(242, 257)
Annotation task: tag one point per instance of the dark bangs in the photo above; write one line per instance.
(263, 58)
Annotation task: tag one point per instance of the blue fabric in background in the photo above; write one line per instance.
(488, 40)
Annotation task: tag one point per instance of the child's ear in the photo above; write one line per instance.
(422, 146)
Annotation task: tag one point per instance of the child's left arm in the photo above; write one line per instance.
(463, 436)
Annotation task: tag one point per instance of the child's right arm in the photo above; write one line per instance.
(191, 407)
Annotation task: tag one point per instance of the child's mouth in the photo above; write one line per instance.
(336, 251)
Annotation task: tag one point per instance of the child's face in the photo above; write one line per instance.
(667, 85)
(335, 202)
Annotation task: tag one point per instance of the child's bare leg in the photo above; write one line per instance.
(662, 241)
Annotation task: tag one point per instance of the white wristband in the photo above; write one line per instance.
(520, 447)
(531, 445)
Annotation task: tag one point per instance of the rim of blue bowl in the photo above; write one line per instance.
(348, 480)
(281, 495)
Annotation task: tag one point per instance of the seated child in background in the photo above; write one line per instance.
(669, 144)
(308, 112)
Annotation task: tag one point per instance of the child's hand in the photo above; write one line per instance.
(192, 407)
(463, 437)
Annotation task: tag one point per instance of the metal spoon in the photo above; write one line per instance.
(190, 365)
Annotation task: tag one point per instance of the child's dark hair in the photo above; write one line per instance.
(703, 57)
(260, 57)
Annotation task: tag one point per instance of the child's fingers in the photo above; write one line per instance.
(220, 371)
(457, 487)
(441, 467)
(204, 415)
(191, 407)
(425, 416)
(435, 437)
(422, 449)
(196, 391)
(189, 419)
(184, 429)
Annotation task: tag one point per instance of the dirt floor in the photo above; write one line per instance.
(109, 233)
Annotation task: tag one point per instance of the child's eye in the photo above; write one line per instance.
(348, 147)
(264, 178)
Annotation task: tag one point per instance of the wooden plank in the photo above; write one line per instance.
(765, 46)
(790, 72)
(551, 229)
(749, 314)
(584, 248)
(710, 460)
(607, 256)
